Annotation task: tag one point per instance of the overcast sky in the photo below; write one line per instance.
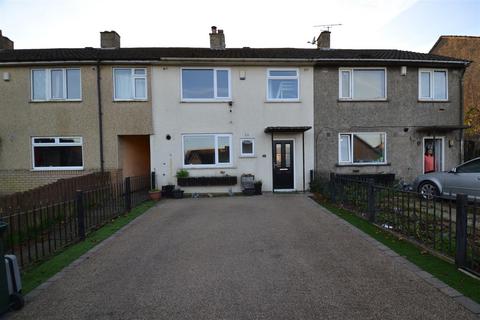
(402, 24)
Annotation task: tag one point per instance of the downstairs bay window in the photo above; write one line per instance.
(362, 148)
(207, 150)
(57, 153)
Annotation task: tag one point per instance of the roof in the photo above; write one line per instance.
(234, 54)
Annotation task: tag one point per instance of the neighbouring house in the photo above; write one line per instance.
(67, 112)
(381, 111)
(218, 112)
(468, 48)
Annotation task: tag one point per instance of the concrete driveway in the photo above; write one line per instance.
(264, 257)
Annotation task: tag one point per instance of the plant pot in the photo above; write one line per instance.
(177, 194)
(258, 188)
(167, 190)
(155, 195)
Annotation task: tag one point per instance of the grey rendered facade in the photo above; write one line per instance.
(405, 120)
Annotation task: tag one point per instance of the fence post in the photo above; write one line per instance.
(461, 231)
(128, 195)
(153, 182)
(371, 200)
(333, 188)
(80, 215)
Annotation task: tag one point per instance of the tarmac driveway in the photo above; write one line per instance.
(264, 257)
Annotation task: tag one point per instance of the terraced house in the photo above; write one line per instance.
(276, 113)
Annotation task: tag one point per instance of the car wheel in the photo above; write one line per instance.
(428, 190)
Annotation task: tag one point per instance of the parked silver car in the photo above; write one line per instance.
(464, 178)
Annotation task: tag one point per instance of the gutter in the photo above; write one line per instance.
(236, 60)
(100, 117)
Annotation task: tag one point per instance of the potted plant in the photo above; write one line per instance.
(258, 186)
(155, 194)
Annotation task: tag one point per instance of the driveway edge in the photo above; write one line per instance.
(59, 275)
(466, 302)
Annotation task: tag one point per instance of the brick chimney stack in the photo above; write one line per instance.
(5, 43)
(217, 39)
(323, 40)
(109, 39)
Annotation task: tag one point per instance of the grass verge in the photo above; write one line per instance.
(437, 267)
(36, 275)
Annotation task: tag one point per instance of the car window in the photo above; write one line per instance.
(470, 167)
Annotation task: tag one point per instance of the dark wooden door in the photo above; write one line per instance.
(282, 164)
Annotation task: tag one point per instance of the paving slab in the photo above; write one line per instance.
(263, 257)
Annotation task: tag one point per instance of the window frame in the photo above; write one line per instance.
(269, 77)
(351, 91)
(431, 72)
(48, 84)
(57, 143)
(216, 164)
(132, 83)
(352, 162)
(247, 155)
(215, 88)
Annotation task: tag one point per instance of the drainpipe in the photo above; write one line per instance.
(100, 117)
(462, 111)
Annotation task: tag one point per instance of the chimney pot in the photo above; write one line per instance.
(323, 40)
(5, 43)
(217, 39)
(109, 39)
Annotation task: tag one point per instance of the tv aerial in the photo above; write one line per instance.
(325, 27)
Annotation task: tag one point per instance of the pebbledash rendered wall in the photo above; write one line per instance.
(400, 117)
(247, 117)
(21, 119)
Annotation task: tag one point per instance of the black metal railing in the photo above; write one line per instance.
(447, 225)
(40, 231)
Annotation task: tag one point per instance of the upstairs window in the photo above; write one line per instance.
(362, 84)
(56, 84)
(282, 85)
(57, 153)
(205, 84)
(362, 148)
(130, 84)
(432, 84)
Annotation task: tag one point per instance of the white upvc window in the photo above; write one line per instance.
(247, 147)
(56, 84)
(283, 85)
(57, 153)
(205, 84)
(207, 150)
(362, 84)
(433, 84)
(129, 84)
(362, 148)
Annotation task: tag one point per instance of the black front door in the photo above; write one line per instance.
(282, 164)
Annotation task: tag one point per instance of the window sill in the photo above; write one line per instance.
(247, 156)
(56, 101)
(352, 100)
(433, 101)
(283, 101)
(209, 168)
(351, 165)
(58, 169)
(207, 101)
(130, 100)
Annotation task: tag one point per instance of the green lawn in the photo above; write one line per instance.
(36, 275)
(439, 268)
